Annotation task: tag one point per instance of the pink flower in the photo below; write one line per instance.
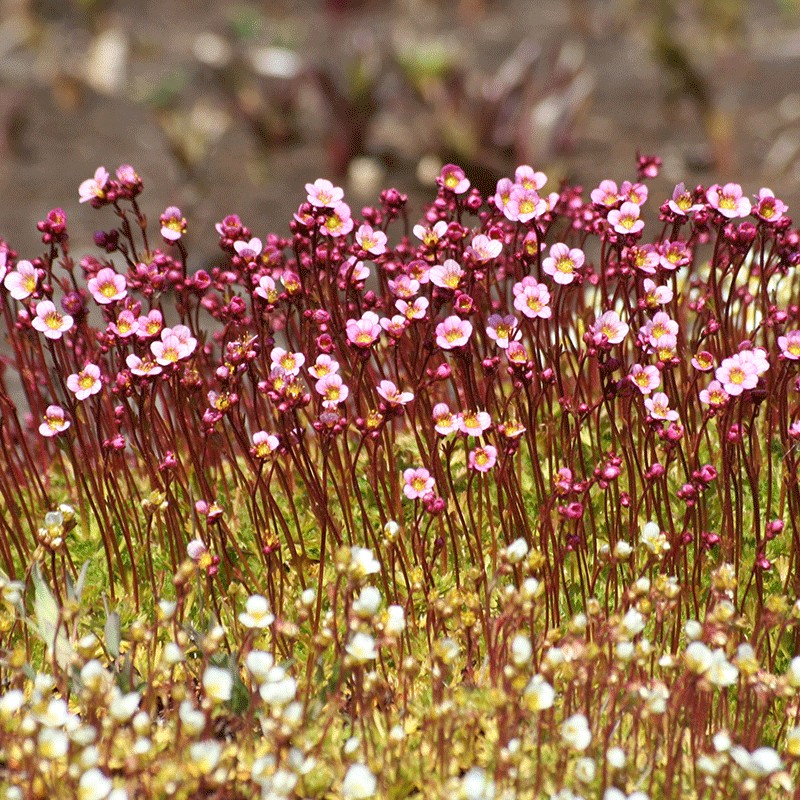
(392, 395)
(415, 310)
(658, 406)
(94, 188)
(22, 282)
(150, 324)
(353, 270)
(395, 326)
(611, 326)
(264, 444)
(143, 366)
(526, 177)
(338, 222)
(682, 203)
(729, 200)
(757, 357)
(737, 374)
(532, 298)
(50, 321)
(453, 332)
(291, 362)
(126, 324)
(447, 275)
(266, 289)
(790, 345)
(482, 459)
(503, 330)
(703, 361)
(332, 389)
(660, 325)
(323, 194)
(482, 248)
(184, 335)
(173, 224)
(197, 550)
(474, 423)
(645, 258)
(625, 219)
(55, 422)
(86, 382)
(645, 379)
(168, 351)
(3, 264)
(324, 365)
(372, 241)
(503, 193)
(453, 179)
(364, 332)
(768, 207)
(656, 295)
(404, 287)
(517, 354)
(249, 250)
(417, 483)
(674, 255)
(431, 236)
(524, 205)
(107, 286)
(563, 263)
(445, 422)
(714, 395)
(634, 192)
(606, 194)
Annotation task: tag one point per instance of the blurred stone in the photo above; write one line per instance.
(107, 62)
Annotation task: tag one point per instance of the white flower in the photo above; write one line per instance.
(615, 757)
(11, 702)
(218, 683)
(205, 755)
(793, 673)
(363, 562)
(632, 623)
(56, 715)
(257, 613)
(259, 664)
(698, 657)
(521, 649)
(622, 550)
(477, 785)
(395, 620)
(516, 551)
(53, 744)
(721, 672)
(123, 706)
(585, 770)
(172, 654)
(539, 694)
(362, 648)
(654, 540)
(359, 783)
(94, 785)
(368, 602)
(693, 630)
(722, 741)
(530, 588)
(575, 732)
(758, 764)
(308, 597)
(793, 742)
(278, 689)
(192, 719)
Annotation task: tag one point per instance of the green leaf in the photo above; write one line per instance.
(113, 632)
(48, 621)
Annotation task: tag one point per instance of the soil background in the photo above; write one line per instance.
(232, 107)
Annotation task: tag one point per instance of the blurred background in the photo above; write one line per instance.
(232, 106)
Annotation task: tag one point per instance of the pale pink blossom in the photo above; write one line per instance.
(482, 248)
(430, 236)
(606, 194)
(291, 282)
(528, 178)
(173, 224)
(524, 205)
(445, 422)
(143, 366)
(3, 264)
(532, 298)
(482, 459)
(645, 379)
(85, 383)
(291, 362)
(417, 483)
(267, 289)
(503, 330)
(737, 374)
(644, 258)
(169, 350)
(611, 326)
(394, 326)
(661, 325)
(757, 357)
(125, 325)
(150, 324)
(502, 194)
(715, 395)
(665, 347)
(516, 353)
(249, 250)
(353, 270)
(658, 406)
(332, 389)
(474, 423)
(404, 287)
(338, 222)
(22, 281)
(94, 188)
(703, 361)
(656, 295)
(55, 422)
(674, 255)
(633, 192)
(264, 444)
(625, 219)
(453, 332)
(107, 286)
(184, 335)
(364, 332)
(682, 202)
(371, 241)
(50, 321)
(453, 179)
(768, 207)
(414, 310)
(729, 200)
(324, 365)
(323, 194)
(392, 395)
(790, 345)
(447, 275)
(563, 263)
